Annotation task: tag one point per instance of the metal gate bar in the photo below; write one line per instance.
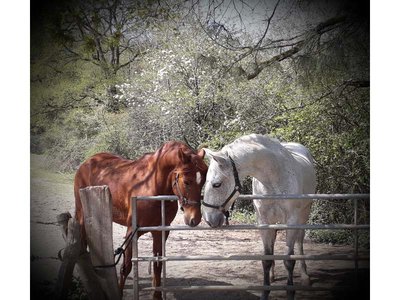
(246, 288)
(135, 250)
(272, 197)
(256, 227)
(164, 259)
(163, 239)
(355, 233)
(252, 257)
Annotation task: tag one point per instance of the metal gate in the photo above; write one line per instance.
(163, 258)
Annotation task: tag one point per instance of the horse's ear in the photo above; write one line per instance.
(183, 157)
(215, 156)
(208, 153)
(201, 153)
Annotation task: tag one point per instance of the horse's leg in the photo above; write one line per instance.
(272, 272)
(268, 238)
(305, 278)
(157, 266)
(126, 266)
(127, 263)
(291, 237)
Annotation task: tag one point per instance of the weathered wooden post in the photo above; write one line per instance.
(71, 253)
(97, 208)
(74, 254)
(100, 283)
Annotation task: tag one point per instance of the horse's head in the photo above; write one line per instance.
(188, 179)
(221, 189)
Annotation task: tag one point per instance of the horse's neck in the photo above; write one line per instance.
(163, 168)
(266, 164)
(159, 172)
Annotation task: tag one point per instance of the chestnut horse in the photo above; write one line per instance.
(175, 168)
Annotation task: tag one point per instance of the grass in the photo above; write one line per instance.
(41, 168)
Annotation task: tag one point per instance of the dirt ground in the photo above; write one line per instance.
(51, 196)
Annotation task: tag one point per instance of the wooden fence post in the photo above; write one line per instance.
(71, 254)
(89, 277)
(71, 231)
(97, 208)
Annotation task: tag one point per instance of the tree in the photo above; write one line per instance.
(110, 34)
(82, 49)
(283, 36)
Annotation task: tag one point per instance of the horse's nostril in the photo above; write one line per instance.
(192, 223)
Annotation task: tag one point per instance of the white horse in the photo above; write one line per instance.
(276, 168)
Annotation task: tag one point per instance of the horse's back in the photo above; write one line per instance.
(293, 158)
(103, 169)
(99, 169)
(300, 161)
(299, 150)
(305, 163)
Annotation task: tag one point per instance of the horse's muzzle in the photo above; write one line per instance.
(214, 219)
(192, 220)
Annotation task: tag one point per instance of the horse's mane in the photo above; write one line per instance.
(242, 143)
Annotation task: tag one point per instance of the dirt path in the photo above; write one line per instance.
(51, 196)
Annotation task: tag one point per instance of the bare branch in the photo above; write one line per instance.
(320, 29)
(268, 24)
(337, 91)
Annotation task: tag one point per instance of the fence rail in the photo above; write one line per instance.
(251, 257)
(243, 288)
(255, 227)
(273, 197)
(163, 258)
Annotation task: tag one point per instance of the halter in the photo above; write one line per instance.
(237, 188)
(184, 201)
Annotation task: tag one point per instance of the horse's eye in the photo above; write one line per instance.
(186, 182)
(216, 184)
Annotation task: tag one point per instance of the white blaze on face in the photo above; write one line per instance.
(198, 177)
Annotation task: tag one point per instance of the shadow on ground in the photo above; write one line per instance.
(342, 282)
(199, 295)
(345, 284)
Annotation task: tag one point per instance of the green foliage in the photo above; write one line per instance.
(245, 206)
(341, 237)
(244, 216)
